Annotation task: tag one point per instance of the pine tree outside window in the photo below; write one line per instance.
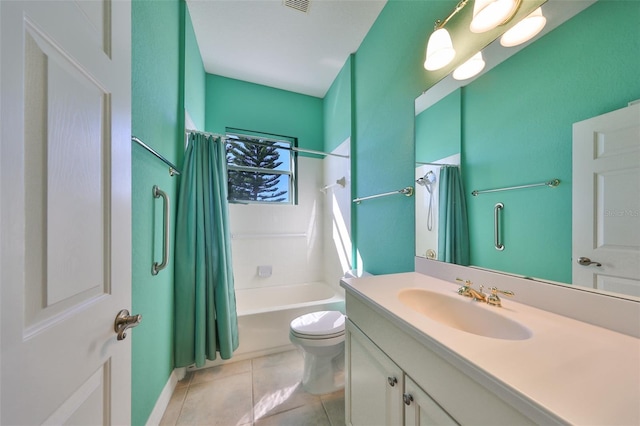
(261, 169)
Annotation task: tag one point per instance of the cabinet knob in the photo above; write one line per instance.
(392, 381)
(407, 398)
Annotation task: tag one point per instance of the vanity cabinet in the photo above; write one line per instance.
(420, 409)
(385, 364)
(374, 383)
(378, 392)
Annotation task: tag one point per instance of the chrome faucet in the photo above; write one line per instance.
(468, 291)
(464, 290)
(478, 295)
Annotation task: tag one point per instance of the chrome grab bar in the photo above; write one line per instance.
(496, 226)
(157, 267)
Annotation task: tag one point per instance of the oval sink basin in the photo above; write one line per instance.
(463, 314)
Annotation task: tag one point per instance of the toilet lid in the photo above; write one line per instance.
(322, 323)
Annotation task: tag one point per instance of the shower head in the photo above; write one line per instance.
(427, 179)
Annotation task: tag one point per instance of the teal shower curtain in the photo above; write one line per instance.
(453, 227)
(205, 304)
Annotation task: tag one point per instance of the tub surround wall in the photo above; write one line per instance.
(287, 238)
(336, 215)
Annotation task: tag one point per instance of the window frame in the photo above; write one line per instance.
(259, 138)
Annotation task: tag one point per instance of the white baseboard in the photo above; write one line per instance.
(165, 396)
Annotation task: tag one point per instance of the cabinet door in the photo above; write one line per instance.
(420, 409)
(373, 383)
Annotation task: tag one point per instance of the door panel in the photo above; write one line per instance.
(606, 201)
(371, 398)
(66, 171)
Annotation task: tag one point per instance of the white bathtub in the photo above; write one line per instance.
(264, 315)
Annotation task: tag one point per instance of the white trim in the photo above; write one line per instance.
(165, 396)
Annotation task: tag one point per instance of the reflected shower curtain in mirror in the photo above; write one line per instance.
(453, 229)
(205, 303)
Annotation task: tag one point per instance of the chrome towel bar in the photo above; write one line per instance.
(173, 170)
(551, 184)
(157, 267)
(408, 191)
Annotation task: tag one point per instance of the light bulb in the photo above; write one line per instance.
(470, 68)
(524, 30)
(440, 50)
(488, 14)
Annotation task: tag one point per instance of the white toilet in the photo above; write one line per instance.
(320, 336)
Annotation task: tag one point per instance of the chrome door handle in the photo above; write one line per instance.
(125, 321)
(585, 261)
(392, 381)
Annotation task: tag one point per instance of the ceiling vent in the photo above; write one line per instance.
(301, 5)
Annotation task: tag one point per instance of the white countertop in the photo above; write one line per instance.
(584, 374)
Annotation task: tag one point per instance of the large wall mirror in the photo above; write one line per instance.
(513, 126)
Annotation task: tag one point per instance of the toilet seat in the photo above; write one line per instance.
(318, 325)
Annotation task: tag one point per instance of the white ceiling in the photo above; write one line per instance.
(265, 42)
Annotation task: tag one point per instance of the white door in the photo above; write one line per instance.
(65, 221)
(606, 201)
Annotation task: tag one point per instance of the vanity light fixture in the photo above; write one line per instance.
(440, 51)
(488, 14)
(524, 30)
(470, 68)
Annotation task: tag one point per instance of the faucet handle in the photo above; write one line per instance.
(464, 290)
(496, 290)
(494, 299)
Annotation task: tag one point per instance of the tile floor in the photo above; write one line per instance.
(264, 391)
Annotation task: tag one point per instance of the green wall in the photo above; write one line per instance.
(195, 77)
(439, 129)
(517, 128)
(337, 109)
(249, 106)
(159, 66)
(389, 75)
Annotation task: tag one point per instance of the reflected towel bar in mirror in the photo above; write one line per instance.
(408, 191)
(551, 184)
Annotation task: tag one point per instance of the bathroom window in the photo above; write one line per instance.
(261, 168)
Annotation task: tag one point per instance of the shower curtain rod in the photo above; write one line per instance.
(173, 170)
(215, 135)
(437, 164)
(233, 140)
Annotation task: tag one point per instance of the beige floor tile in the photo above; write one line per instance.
(220, 371)
(278, 389)
(186, 381)
(288, 359)
(334, 406)
(268, 386)
(171, 414)
(225, 402)
(307, 415)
